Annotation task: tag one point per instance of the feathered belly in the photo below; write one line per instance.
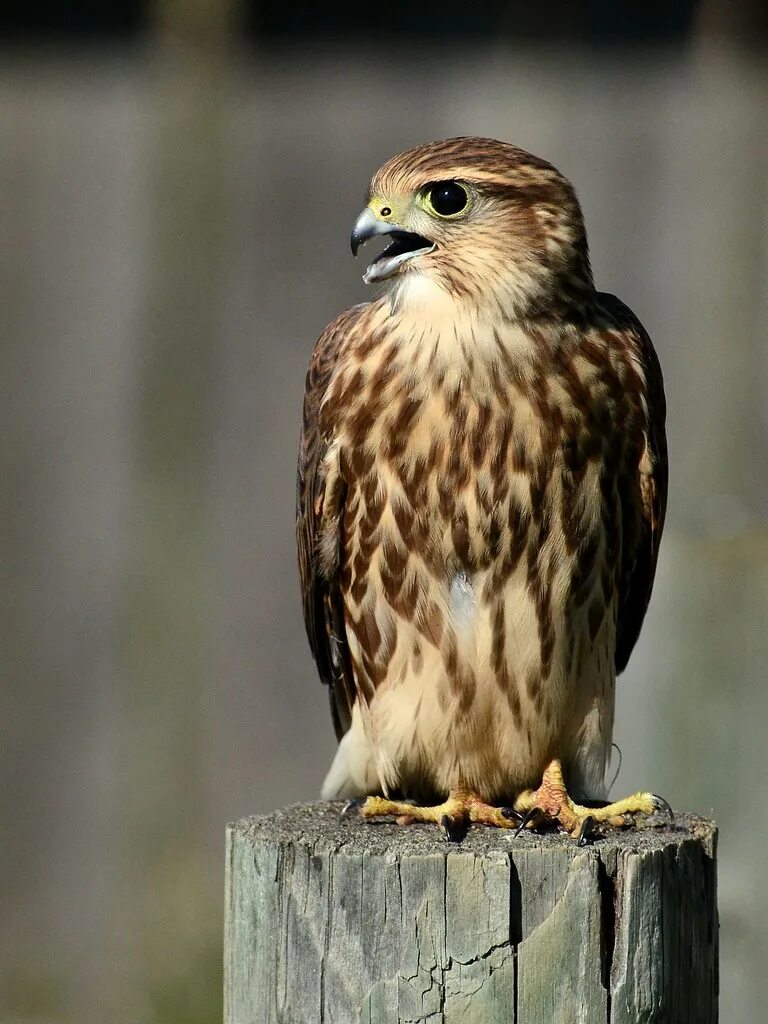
(483, 692)
(480, 616)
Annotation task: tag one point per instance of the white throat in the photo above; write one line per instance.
(440, 332)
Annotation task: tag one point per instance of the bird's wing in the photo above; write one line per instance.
(321, 594)
(642, 528)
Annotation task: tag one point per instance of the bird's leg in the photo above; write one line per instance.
(554, 803)
(454, 815)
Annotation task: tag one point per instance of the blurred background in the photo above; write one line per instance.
(178, 181)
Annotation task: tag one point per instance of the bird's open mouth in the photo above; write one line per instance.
(403, 247)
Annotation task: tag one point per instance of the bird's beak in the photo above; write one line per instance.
(405, 245)
(367, 226)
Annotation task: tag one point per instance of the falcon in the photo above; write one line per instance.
(481, 493)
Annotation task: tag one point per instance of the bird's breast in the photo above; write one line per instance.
(462, 604)
(465, 485)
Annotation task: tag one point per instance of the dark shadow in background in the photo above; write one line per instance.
(590, 22)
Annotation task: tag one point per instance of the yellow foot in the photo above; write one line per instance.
(454, 816)
(551, 801)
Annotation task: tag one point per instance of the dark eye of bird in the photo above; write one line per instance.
(447, 197)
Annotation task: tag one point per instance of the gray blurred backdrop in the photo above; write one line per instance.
(176, 195)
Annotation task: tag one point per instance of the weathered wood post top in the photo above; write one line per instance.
(342, 921)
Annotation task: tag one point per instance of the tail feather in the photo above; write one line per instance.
(353, 770)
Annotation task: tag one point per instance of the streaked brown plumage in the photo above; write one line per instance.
(481, 491)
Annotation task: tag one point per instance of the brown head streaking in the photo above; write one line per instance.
(482, 483)
(505, 226)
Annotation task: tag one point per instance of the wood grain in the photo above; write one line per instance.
(339, 921)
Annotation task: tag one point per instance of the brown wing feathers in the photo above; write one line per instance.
(321, 597)
(642, 534)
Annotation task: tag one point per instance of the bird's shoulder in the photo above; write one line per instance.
(623, 325)
(326, 350)
(324, 361)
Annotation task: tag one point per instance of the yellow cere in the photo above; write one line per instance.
(381, 208)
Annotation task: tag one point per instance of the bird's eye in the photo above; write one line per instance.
(447, 198)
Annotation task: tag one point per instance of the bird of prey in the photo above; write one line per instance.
(481, 492)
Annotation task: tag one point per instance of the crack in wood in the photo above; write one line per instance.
(380, 925)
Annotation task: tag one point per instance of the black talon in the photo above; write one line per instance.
(661, 804)
(528, 816)
(510, 814)
(586, 831)
(454, 829)
(350, 806)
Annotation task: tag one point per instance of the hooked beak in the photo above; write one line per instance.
(405, 245)
(367, 226)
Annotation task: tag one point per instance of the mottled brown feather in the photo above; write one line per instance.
(322, 597)
(643, 524)
(496, 486)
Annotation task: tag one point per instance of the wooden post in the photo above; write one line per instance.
(340, 921)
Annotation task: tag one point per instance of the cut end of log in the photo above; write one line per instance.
(340, 920)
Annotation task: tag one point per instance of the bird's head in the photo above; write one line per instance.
(479, 219)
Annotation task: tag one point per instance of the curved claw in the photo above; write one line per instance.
(586, 831)
(351, 805)
(527, 817)
(453, 829)
(662, 806)
(510, 814)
